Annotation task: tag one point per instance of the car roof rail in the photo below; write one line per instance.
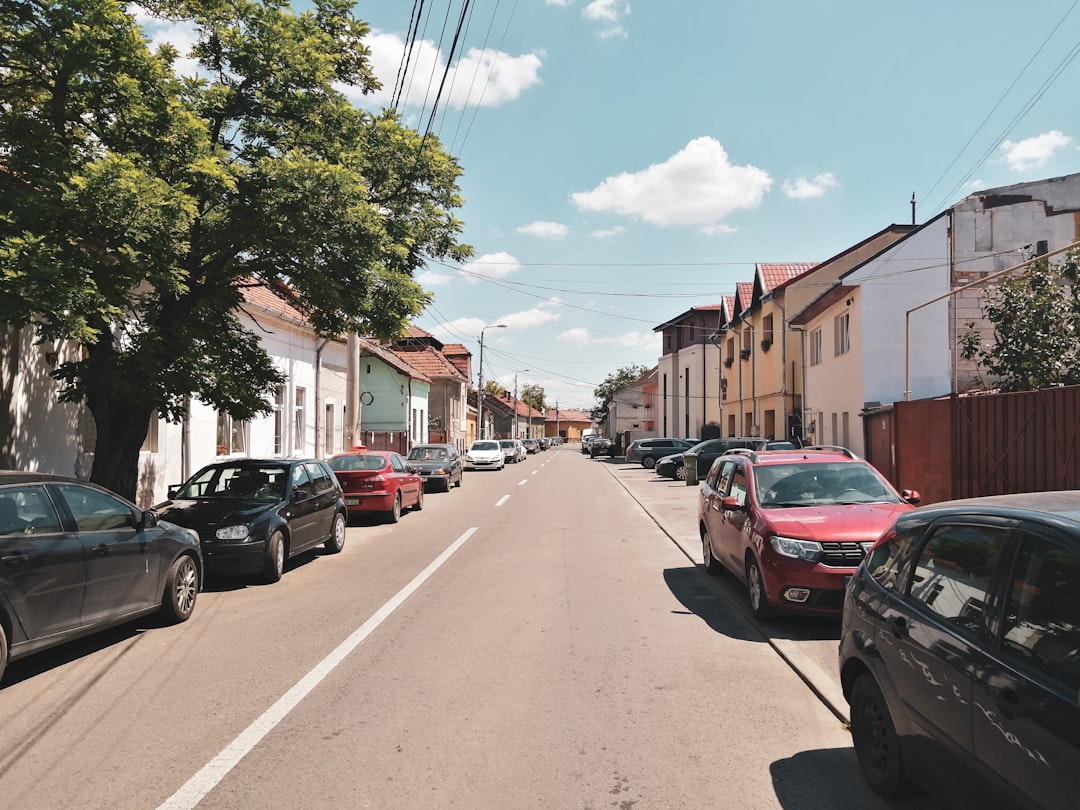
(834, 448)
(742, 451)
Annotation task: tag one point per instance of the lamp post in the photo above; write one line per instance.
(516, 404)
(480, 382)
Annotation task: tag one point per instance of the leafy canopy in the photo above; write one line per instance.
(136, 206)
(606, 391)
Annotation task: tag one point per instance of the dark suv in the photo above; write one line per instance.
(794, 524)
(649, 451)
(960, 651)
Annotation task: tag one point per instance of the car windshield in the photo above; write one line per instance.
(259, 482)
(427, 454)
(507, 443)
(816, 484)
(358, 462)
(485, 446)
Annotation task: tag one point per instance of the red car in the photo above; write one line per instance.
(794, 524)
(378, 481)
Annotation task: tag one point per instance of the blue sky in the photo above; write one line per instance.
(626, 160)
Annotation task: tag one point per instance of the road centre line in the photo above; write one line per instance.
(523, 482)
(502, 500)
(196, 788)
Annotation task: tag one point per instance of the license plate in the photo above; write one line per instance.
(352, 501)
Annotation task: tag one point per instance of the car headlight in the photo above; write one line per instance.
(239, 532)
(797, 549)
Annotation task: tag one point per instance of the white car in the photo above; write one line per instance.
(485, 454)
(513, 450)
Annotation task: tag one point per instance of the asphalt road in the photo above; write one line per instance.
(534, 639)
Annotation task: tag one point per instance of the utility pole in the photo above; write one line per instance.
(480, 382)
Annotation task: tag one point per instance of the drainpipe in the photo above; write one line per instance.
(320, 450)
(802, 366)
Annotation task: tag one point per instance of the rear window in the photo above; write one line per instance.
(428, 454)
(355, 463)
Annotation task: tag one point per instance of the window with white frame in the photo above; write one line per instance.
(279, 420)
(815, 347)
(301, 419)
(231, 435)
(843, 333)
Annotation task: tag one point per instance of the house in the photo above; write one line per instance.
(567, 423)
(447, 401)
(395, 398)
(632, 411)
(688, 368)
(889, 329)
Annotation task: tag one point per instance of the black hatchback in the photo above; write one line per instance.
(78, 558)
(960, 652)
(254, 514)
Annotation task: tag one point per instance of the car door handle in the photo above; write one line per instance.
(899, 626)
(1007, 700)
(101, 550)
(11, 560)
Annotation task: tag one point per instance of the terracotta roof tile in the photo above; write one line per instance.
(429, 361)
(773, 275)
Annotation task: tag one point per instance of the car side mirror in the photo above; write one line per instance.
(730, 503)
(911, 496)
(148, 520)
(172, 490)
(298, 494)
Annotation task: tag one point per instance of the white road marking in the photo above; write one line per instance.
(523, 482)
(196, 788)
(534, 472)
(502, 500)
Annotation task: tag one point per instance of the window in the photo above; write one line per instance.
(842, 334)
(767, 330)
(301, 480)
(738, 485)
(815, 347)
(150, 443)
(1042, 620)
(96, 511)
(231, 436)
(27, 510)
(731, 348)
(953, 571)
(279, 421)
(330, 430)
(301, 420)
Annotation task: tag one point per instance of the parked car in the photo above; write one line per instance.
(648, 451)
(78, 559)
(960, 651)
(440, 465)
(485, 454)
(708, 451)
(531, 446)
(378, 481)
(513, 450)
(793, 524)
(601, 447)
(586, 442)
(252, 515)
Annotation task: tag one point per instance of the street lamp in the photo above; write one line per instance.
(516, 403)
(480, 382)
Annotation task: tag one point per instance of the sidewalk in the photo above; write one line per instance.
(673, 506)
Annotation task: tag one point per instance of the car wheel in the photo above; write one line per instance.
(873, 734)
(274, 566)
(336, 541)
(648, 462)
(680, 473)
(394, 515)
(712, 565)
(419, 500)
(181, 590)
(755, 586)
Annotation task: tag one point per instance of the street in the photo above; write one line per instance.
(535, 638)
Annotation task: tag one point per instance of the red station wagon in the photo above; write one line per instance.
(793, 525)
(378, 481)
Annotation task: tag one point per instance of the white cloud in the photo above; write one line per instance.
(485, 78)
(181, 35)
(696, 186)
(529, 318)
(429, 278)
(578, 335)
(562, 3)
(1035, 152)
(804, 189)
(609, 13)
(491, 266)
(545, 230)
(607, 233)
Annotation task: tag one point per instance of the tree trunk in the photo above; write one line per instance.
(121, 430)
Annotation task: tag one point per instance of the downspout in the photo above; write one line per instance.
(408, 415)
(802, 366)
(320, 451)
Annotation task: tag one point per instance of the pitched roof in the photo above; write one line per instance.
(375, 349)
(427, 360)
(567, 415)
(772, 276)
(685, 315)
(274, 303)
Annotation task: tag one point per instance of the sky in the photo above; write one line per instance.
(626, 160)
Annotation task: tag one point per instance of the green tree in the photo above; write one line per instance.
(605, 392)
(135, 206)
(534, 396)
(1036, 324)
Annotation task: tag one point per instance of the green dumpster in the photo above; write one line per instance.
(690, 468)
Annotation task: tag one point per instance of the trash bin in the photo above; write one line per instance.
(689, 465)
